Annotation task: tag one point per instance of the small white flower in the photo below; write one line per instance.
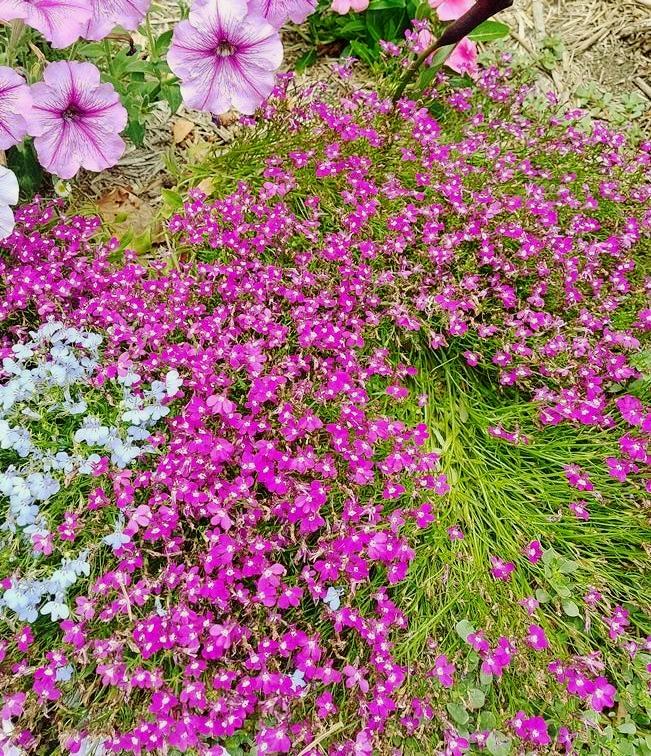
(64, 673)
(92, 433)
(298, 679)
(56, 609)
(173, 383)
(333, 598)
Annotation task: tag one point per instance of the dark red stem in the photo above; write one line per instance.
(481, 11)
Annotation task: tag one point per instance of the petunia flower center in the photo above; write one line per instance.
(224, 49)
(70, 113)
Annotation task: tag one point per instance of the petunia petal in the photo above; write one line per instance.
(277, 12)
(6, 221)
(107, 14)
(15, 105)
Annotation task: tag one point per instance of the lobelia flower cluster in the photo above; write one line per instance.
(48, 385)
(268, 529)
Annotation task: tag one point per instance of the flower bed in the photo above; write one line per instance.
(362, 471)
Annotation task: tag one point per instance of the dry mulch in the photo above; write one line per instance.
(605, 41)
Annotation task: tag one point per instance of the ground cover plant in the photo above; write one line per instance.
(360, 466)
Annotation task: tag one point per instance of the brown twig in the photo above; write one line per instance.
(481, 11)
(642, 86)
(538, 18)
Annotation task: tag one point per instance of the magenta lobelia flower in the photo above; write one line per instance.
(61, 22)
(277, 12)
(107, 14)
(76, 120)
(15, 103)
(225, 57)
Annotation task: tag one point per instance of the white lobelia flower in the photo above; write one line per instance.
(8, 196)
(57, 609)
(92, 432)
(173, 383)
(333, 598)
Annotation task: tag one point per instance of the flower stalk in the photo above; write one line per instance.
(17, 29)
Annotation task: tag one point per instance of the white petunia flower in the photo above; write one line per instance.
(8, 196)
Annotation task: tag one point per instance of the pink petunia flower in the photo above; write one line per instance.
(107, 14)
(463, 58)
(15, 103)
(345, 6)
(61, 22)
(450, 10)
(225, 57)
(278, 12)
(76, 120)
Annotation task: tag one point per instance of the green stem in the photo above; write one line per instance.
(149, 33)
(413, 69)
(109, 58)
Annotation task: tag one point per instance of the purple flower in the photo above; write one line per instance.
(536, 731)
(444, 671)
(225, 57)
(15, 102)
(578, 478)
(76, 120)
(61, 22)
(580, 509)
(536, 638)
(533, 552)
(107, 14)
(277, 12)
(500, 569)
(603, 695)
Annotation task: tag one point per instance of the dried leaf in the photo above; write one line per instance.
(124, 211)
(182, 129)
(206, 186)
(227, 119)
